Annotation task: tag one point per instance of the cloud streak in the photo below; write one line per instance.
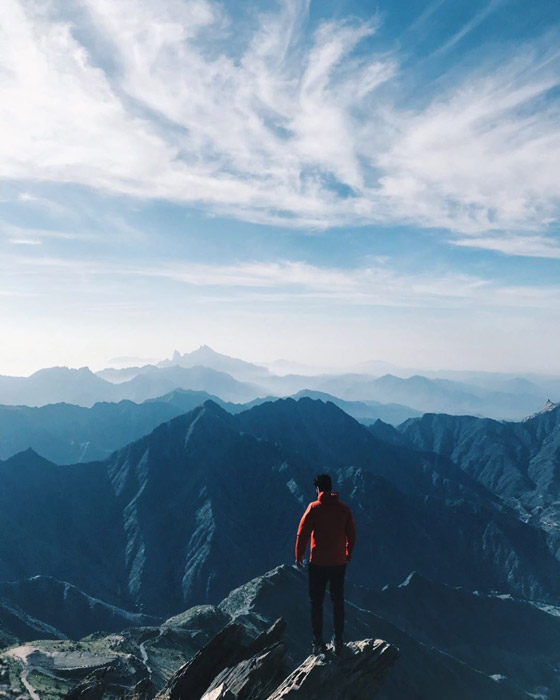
(295, 127)
(285, 281)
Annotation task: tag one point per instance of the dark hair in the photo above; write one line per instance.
(323, 482)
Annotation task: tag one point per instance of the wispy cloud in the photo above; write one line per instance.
(24, 241)
(517, 245)
(35, 236)
(469, 26)
(294, 127)
(286, 281)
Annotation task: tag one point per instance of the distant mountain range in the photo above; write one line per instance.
(234, 380)
(68, 434)
(84, 388)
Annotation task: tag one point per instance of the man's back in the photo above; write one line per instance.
(329, 523)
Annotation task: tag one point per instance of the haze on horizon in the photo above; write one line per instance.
(324, 182)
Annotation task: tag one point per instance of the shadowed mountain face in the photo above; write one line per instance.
(495, 634)
(517, 461)
(208, 500)
(64, 609)
(68, 434)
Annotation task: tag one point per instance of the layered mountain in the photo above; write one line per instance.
(365, 411)
(83, 388)
(55, 385)
(68, 434)
(517, 461)
(235, 380)
(208, 500)
(435, 395)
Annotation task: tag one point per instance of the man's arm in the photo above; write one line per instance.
(303, 534)
(350, 536)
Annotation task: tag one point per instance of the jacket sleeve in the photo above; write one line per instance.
(304, 533)
(350, 534)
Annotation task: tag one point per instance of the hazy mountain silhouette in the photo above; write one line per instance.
(55, 385)
(206, 357)
(83, 388)
(365, 411)
(434, 395)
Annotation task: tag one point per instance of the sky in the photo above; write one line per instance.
(325, 182)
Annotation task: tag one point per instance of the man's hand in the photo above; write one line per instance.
(299, 563)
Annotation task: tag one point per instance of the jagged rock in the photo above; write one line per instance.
(93, 686)
(224, 651)
(357, 675)
(252, 679)
(229, 668)
(143, 690)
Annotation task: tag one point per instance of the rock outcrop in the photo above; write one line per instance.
(229, 669)
(223, 653)
(356, 675)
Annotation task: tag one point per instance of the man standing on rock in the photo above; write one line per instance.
(330, 525)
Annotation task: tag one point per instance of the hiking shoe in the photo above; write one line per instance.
(338, 646)
(319, 648)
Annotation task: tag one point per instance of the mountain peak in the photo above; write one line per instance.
(548, 407)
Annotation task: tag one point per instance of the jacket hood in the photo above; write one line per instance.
(326, 497)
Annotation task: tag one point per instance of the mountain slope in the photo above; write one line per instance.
(208, 500)
(55, 385)
(517, 461)
(64, 607)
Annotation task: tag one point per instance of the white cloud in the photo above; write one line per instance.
(286, 281)
(519, 245)
(290, 129)
(24, 241)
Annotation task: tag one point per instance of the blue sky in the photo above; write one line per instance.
(329, 182)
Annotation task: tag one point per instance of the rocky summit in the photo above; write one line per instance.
(235, 663)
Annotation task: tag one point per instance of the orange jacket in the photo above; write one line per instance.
(330, 525)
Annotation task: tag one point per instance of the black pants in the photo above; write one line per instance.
(319, 576)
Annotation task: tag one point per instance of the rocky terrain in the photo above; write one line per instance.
(519, 462)
(255, 643)
(102, 562)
